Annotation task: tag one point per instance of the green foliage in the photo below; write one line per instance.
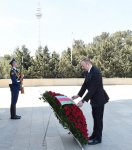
(112, 53)
(54, 65)
(42, 58)
(4, 68)
(24, 60)
(66, 69)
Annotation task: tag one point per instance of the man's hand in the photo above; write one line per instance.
(75, 97)
(22, 76)
(80, 103)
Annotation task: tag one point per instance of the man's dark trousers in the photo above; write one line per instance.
(97, 113)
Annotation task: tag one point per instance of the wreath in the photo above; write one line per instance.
(69, 114)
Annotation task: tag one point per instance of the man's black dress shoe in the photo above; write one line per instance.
(16, 117)
(92, 137)
(94, 142)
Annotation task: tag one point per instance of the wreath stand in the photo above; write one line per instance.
(45, 134)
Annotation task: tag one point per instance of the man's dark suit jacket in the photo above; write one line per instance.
(93, 83)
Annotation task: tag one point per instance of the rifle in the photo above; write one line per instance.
(21, 77)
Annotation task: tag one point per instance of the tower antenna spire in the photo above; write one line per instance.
(39, 16)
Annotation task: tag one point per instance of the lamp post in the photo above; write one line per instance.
(72, 47)
(39, 16)
(71, 55)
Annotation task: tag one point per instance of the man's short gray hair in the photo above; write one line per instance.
(86, 60)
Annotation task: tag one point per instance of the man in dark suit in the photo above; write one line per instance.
(97, 96)
(15, 88)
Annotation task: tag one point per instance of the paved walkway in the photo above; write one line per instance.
(28, 133)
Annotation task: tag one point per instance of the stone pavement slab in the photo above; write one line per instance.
(28, 133)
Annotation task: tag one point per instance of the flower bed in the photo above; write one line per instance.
(68, 114)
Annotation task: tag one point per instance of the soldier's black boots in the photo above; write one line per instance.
(13, 113)
(16, 117)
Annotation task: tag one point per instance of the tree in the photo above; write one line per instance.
(7, 57)
(113, 54)
(24, 60)
(66, 69)
(42, 59)
(4, 68)
(54, 65)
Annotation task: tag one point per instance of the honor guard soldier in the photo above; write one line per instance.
(15, 88)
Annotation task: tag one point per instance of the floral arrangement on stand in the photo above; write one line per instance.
(68, 114)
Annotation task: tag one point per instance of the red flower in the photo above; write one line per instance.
(72, 114)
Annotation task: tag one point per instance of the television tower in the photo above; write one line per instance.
(39, 16)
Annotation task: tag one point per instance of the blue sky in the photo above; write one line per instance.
(62, 21)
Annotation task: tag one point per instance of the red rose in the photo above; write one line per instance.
(75, 118)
